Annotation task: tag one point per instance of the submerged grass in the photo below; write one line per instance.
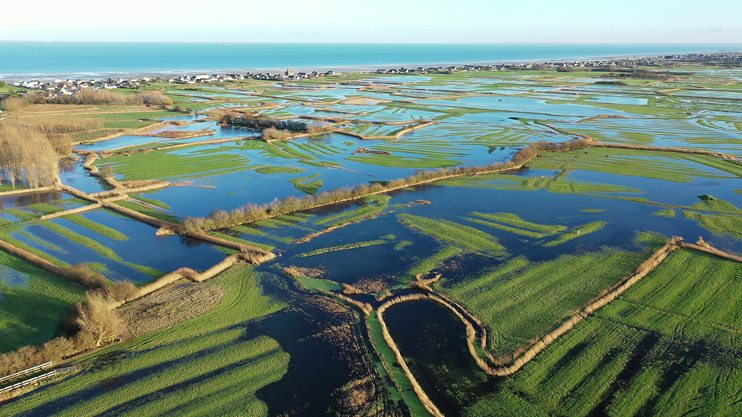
(514, 224)
(166, 164)
(453, 233)
(306, 185)
(152, 201)
(559, 184)
(395, 161)
(82, 240)
(430, 263)
(344, 247)
(718, 224)
(95, 227)
(279, 170)
(374, 205)
(576, 232)
(659, 165)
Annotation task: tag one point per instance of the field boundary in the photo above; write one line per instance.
(524, 355)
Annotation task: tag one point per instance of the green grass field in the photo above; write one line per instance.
(718, 224)
(430, 263)
(518, 299)
(665, 347)
(560, 184)
(201, 366)
(374, 206)
(31, 308)
(171, 165)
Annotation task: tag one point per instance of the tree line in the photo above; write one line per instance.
(219, 219)
(261, 122)
(27, 155)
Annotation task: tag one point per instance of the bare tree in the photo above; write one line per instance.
(98, 317)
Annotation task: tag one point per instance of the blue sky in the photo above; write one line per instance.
(403, 21)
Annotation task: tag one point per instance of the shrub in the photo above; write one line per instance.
(82, 274)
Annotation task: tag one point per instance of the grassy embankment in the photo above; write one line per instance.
(205, 365)
(665, 347)
(388, 366)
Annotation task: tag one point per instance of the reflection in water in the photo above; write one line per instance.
(22, 200)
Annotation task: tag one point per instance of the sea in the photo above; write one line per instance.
(43, 60)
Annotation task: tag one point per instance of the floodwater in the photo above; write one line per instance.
(141, 248)
(27, 199)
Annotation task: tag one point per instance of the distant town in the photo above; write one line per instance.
(69, 87)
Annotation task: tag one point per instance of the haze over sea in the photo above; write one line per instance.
(87, 59)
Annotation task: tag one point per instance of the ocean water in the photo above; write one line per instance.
(85, 59)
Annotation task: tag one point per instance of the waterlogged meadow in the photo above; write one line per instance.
(515, 251)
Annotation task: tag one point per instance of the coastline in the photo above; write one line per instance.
(138, 73)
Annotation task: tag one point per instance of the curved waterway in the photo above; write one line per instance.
(433, 342)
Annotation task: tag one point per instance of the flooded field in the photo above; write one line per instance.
(579, 190)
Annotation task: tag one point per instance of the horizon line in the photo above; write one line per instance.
(384, 43)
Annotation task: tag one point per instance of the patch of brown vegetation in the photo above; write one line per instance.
(603, 116)
(169, 306)
(350, 290)
(372, 286)
(359, 101)
(296, 271)
(355, 397)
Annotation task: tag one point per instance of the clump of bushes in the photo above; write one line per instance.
(84, 276)
(272, 133)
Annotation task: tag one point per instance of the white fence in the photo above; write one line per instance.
(39, 378)
(26, 372)
(30, 381)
